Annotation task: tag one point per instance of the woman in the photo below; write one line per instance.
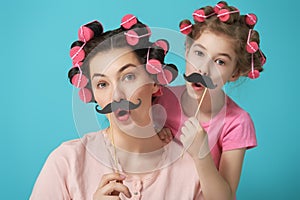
(120, 70)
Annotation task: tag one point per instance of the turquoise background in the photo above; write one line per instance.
(36, 97)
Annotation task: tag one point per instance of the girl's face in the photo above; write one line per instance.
(212, 55)
(116, 75)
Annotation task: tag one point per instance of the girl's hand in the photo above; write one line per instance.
(165, 135)
(110, 187)
(194, 138)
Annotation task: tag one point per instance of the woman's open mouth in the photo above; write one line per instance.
(122, 115)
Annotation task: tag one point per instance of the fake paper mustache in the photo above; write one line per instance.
(202, 79)
(115, 105)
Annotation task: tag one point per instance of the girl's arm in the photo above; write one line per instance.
(215, 184)
(220, 184)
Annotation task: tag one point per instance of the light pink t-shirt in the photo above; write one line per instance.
(232, 128)
(74, 170)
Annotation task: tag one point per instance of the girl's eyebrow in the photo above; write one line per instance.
(119, 71)
(226, 55)
(221, 54)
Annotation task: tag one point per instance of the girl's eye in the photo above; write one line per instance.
(101, 85)
(220, 62)
(129, 77)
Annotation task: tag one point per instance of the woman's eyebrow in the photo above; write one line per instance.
(119, 71)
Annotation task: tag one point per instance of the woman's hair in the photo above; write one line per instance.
(135, 36)
(226, 20)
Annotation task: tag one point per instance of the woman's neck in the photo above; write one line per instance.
(135, 144)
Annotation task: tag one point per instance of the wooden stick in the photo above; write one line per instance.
(113, 143)
(199, 105)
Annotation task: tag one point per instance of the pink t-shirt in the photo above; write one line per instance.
(74, 170)
(232, 128)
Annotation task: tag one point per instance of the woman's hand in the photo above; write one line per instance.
(194, 138)
(110, 187)
(165, 135)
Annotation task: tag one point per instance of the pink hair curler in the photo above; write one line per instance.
(252, 47)
(254, 73)
(218, 7)
(251, 19)
(154, 66)
(224, 14)
(85, 95)
(162, 44)
(164, 77)
(199, 15)
(85, 34)
(88, 31)
(185, 27)
(133, 38)
(79, 80)
(128, 21)
(77, 54)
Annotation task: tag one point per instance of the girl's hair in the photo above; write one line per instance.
(136, 38)
(226, 20)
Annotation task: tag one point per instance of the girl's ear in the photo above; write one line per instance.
(235, 75)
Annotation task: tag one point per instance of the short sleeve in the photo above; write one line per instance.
(239, 133)
(170, 103)
(52, 180)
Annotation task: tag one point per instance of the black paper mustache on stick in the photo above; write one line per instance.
(115, 105)
(202, 79)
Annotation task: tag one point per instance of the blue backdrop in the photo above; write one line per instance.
(36, 98)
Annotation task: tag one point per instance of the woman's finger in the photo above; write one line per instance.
(115, 188)
(106, 178)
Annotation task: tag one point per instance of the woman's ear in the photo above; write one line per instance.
(157, 90)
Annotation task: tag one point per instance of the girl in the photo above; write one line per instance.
(221, 47)
(121, 71)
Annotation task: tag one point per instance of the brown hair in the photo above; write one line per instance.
(234, 28)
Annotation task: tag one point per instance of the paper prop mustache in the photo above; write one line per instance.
(115, 105)
(202, 79)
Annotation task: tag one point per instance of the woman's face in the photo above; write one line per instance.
(117, 74)
(212, 55)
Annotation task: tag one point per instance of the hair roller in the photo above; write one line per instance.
(153, 66)
(164, 77)
(263, 58)
(250, 19)
(201, 14)
(133, 36)
(173, 69)
(219, 6)
(89, 30)
(79, 80)
(167, 75)
(185, 26)
(254, 73)
(164, 44)
(251, 46)
(128, 21)
(77, 53)
(227, 14)
(85, 95)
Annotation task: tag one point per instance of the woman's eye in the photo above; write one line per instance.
(198, 53)
(101, 85)
(129, 77)
(220, 62)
